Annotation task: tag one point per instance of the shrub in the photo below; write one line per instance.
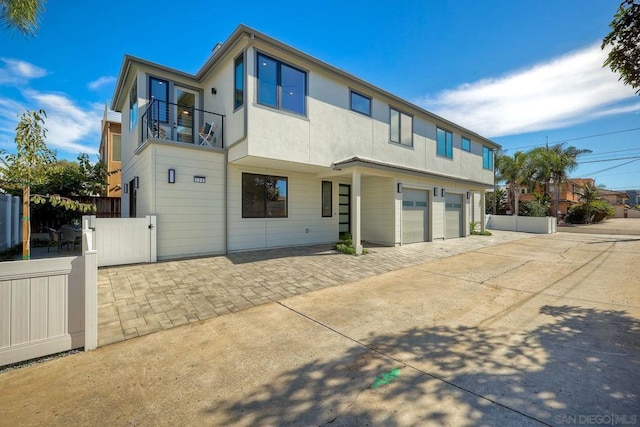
(533, 208)
(599, 210)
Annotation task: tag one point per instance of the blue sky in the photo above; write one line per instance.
(518, 72)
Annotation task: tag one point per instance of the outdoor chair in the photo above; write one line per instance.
(157, 132)
(54, 237)
(206, 134)
(68, 236)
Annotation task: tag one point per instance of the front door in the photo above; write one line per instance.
(344, 209)
(184, 111)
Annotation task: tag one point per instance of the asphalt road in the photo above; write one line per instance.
(540, 331)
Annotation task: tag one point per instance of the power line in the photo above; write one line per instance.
(574, 139)
(612, 167)
(608, 160)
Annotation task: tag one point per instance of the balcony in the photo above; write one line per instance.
(166, 121)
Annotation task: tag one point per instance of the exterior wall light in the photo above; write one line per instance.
(435, 191)
(136, 182)
(444, 193)
(172, 176)
(468, 195)
(399, 187)
(126, 188)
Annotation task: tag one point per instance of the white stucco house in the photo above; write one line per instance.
(267, 146)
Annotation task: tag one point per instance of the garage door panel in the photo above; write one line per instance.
(414, 216)
(453, 216)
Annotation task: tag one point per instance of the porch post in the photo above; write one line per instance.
(355, 208)
(483, 203)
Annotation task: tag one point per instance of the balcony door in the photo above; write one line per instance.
(184, 112)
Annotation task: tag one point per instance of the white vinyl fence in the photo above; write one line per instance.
(526, 224)
(10, 229)
(123, 240)
(48, 305)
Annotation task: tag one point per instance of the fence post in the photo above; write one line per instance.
(16, 230)
(7, 221)
(90, 291)
(153, 242)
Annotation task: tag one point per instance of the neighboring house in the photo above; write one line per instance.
(634, 197)
(568, 193)
(266, 146)
(110, 151)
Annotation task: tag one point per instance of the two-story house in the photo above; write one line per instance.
(266, 146)
(110, 151)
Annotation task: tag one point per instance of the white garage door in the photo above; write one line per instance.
(414, 216)
(453, 216)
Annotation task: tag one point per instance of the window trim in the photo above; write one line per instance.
(450, 145)
(370, 99)
(400, 114)
(286, 203)
(133, 105)
(238, 61)
(322, 201)
(462, 140)
(166, 101)
(278, 102)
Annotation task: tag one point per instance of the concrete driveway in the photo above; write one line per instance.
(537, 331)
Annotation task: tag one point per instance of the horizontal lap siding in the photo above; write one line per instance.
(304, 213)
(190, 214)
(377, 210)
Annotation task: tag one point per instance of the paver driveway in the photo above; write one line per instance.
(538, 331)
(137, 300)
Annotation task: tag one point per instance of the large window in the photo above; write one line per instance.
(327, 198)
(281, 86)
(487, 158)
(133, 105)
(400, 127)
(238, 82)
(116, 148)
(264, 196)
(361, 103)
(445, 143)
(466, 144)
(159, 92)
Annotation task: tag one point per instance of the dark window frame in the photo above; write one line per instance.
(448, 144)
(400, 135)
(279, 101)
(325, 213)
(238, 83)
(245, 214)
(462, 143)
(368, 98)
(162, 111)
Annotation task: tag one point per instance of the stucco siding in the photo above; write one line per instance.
(304, 224)
(378, 210)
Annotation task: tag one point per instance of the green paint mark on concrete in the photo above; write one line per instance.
(386, 378)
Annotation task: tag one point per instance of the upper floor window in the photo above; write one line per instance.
(445, 143)
(238, 76)
(116, 148)
(487, 158)
(281, 86)
(360, 103)
(466, 144)
(400, 127)
(159, 92)
(133, 105)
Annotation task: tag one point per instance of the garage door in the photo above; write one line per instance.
(453, 216)
(414, 216)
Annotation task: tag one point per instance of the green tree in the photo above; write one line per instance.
(21, 15)
(588, 194)
(512, 171)
(624, 40)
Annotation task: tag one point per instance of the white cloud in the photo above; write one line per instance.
(16, 71)
(101, 81)
(571, 89)
(68, 125)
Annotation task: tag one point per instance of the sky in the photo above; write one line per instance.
(521, 73)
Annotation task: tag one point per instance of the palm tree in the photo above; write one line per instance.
(551, 165)
(588, 195)
(21, 15)
(512, 170)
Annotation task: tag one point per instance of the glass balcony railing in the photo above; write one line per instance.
(181, 123)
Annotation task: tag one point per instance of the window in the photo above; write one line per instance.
(361, 103)
(401, 127)
(238, 82)
(159, 92)
(264, 196)
(281, 86)
(466, 144)
(445, 143)
(487, 158)
(116, 148)
(133, 106)
(327, 198)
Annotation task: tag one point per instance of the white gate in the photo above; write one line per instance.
(124, 240)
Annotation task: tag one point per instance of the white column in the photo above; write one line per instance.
(355, 209)
(90, 259)
(483, 199)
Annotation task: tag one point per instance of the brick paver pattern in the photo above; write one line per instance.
(141, 299)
